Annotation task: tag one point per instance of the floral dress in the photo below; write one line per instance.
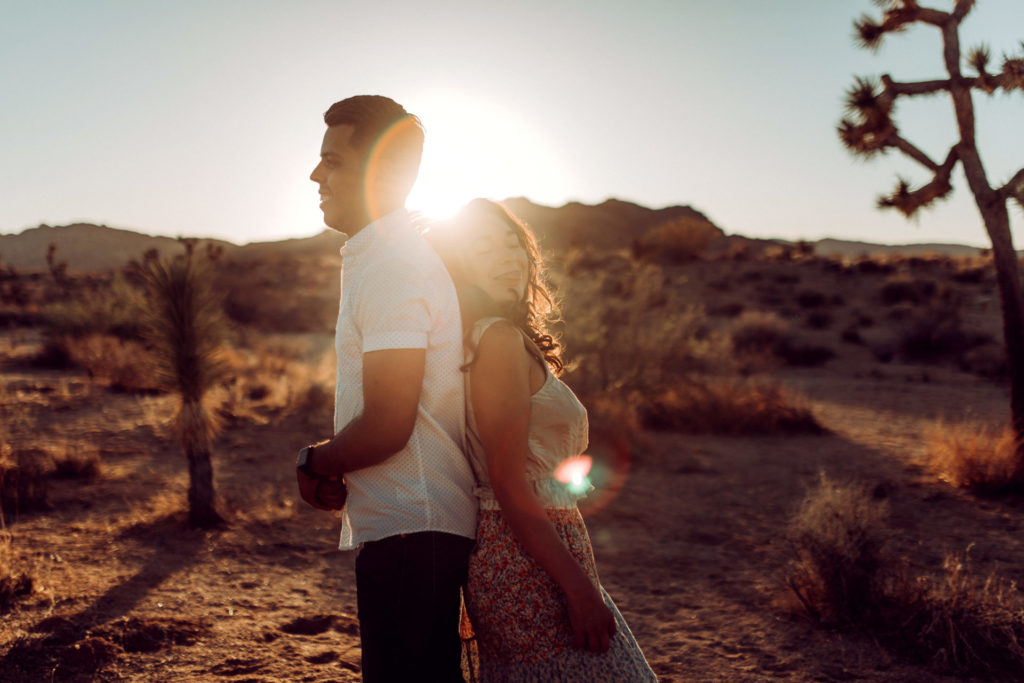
(518, 620)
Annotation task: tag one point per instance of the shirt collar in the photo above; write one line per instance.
(382, 228)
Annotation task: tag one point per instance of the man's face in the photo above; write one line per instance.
(340, 177)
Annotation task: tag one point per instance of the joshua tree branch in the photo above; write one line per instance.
(916, 88)
(913, 152)
(1014, 188)
(907, 201)
(929, 16)
(961, 9)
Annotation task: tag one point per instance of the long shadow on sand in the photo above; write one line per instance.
(72, 644)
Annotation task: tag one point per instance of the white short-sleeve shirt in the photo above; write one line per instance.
(396, 294)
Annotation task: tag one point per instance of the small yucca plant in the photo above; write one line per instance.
(184, 325)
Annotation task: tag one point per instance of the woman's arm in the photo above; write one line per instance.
(500, 388)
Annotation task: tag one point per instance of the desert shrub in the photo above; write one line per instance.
(760, 335)
(787, 278)
(970, 274)
(124, 365)
(837, 537)
(727, 310)
(678, 241)
(54, 354)
(803, 355)
(851, 336)
(14, 581)
(584, 258)
(934, 332)
(959, 622)
(23, 479)
(76, 464)
(727, 406)
(819, 320)
(639, 340)
(843, 574)
(13, 291)
(974, 456)
(868, 265)
(883, 353)
(987, 360)
(267, 384)
(279, 293)
(811, 299)
(116, 309)
(758, 332)
(864, 320)
(901, 289)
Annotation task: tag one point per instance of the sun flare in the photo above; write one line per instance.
(476, 148)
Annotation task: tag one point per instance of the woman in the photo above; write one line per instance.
(533, 596)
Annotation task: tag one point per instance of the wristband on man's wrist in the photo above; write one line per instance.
(304, 463)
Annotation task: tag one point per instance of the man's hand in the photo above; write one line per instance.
(322, 493)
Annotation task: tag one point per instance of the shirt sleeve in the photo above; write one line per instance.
(393, 310)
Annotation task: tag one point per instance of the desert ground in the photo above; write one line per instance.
(691, 526)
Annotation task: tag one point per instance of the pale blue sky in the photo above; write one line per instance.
(204, 117)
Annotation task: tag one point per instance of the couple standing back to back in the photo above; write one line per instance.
(436, 430)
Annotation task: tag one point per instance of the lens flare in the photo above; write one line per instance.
(572, 472)
(382, 165)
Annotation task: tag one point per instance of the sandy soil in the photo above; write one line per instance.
(692, 548)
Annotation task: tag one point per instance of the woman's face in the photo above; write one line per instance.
(495, 261)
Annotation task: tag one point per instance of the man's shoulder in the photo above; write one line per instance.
(404, 259)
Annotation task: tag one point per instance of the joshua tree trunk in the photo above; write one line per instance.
(997, 223)
(202, 509)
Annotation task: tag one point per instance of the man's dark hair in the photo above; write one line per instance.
(378, 119)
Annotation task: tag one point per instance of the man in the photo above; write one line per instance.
(399, 402)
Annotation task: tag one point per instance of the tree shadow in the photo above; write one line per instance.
(68, 642)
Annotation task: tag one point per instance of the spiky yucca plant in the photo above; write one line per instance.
(185, 328)
(870, 130)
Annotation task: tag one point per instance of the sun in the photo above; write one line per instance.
(477, 148)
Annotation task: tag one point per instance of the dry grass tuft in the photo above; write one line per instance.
(965, 624)
(122, 364)
(975, 457)
(758, 333)
(24, 480)
(728, 406)
(14, 583)
(837, 537)
(76, 464)
(843, 575)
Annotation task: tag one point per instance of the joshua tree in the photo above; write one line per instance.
(871, 130)
(58, 269)
(185, 330)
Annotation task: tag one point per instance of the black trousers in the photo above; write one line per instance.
(407, 592)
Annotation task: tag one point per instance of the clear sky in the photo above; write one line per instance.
(203, 117)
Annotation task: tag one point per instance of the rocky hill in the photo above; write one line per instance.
(613, 224)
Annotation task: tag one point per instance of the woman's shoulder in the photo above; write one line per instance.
(497, 334)
(483, 325)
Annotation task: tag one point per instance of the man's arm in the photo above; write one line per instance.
(392, 381)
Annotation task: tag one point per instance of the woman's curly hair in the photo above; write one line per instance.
(534, 312)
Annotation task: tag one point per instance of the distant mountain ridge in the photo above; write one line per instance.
(612, 224)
